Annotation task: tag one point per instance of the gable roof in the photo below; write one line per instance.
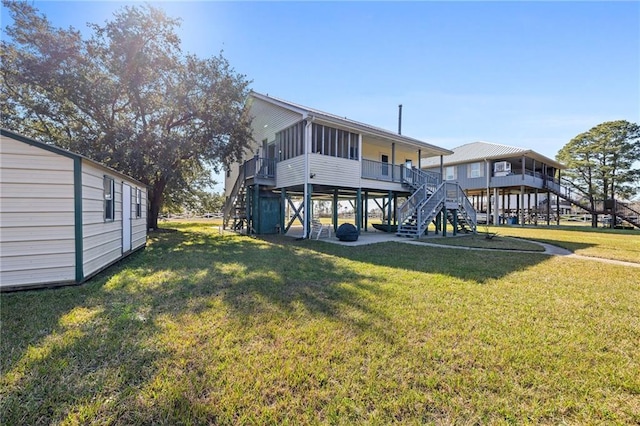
(61, 151)
(480, 151)
(377, 132)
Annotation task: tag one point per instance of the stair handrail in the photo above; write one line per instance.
(425, 183)
(416, 177)
(467, 209)
(627, 213)
(565, 192)
(230, 201)
(429, 208)
(407, 208)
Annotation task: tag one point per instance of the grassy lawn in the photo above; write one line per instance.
(614, 244)
(206, 329)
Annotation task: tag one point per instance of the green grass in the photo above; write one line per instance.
(616, 244)
(207, 329)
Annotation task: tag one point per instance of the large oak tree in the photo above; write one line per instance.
(126, 96)
(601, 163)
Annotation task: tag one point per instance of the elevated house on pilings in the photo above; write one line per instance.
(505, 184)
(301, 155)
(508, 184)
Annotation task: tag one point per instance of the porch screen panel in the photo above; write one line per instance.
(290, 141)
(334, 142)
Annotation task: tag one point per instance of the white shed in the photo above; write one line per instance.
(63, 217)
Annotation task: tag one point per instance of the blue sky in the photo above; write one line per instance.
(528, 74)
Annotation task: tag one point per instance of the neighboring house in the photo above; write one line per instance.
(305, 154)
(63, 217)
(501, 180)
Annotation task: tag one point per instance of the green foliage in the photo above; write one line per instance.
(602, 163)
(126, 97)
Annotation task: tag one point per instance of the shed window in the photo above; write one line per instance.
(109, 204)
(138, 202)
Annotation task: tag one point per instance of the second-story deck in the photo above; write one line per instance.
(335, 172)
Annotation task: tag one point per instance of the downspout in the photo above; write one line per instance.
(393, 160)
(487, 168)
(307, 208)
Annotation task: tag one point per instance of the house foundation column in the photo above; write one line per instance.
(521, 205)
(495, 207)
(335, 210)
(358, 212)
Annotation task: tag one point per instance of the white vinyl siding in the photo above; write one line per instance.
(139, 222)
(290, 172)
(102, 241)
(334, 171)
(268, 119)
(37, 226)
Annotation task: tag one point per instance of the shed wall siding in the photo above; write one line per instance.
(37, 209)
(138, 224)
(101, 241)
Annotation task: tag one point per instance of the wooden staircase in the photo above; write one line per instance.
(429, 198)
(235, 205)
(621, 210)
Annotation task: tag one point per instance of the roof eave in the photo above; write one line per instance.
(354, 125)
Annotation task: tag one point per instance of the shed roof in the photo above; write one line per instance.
(477, 151)
(311, 113)
(61, 151)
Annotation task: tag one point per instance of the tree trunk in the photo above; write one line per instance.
(156, 199)
(594, 216)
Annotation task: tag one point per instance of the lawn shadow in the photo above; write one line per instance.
(476, 266)
(78, 351)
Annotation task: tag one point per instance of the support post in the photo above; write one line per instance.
(255, 223)
(535, 210)
(335, 210)
(283, 208)
(395, 208)
(365, 211)
(548, 207)
(358, 209)
(444, 221)
(393, 161)
(495, 207)
(521, 205)
(389, 212)
(307, 210)
(454, 212)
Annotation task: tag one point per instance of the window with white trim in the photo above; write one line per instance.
(138, 203)
(450, 173)
(109, 199)
(475, 170)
